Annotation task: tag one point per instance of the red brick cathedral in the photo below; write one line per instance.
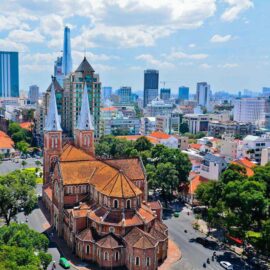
(99, 206)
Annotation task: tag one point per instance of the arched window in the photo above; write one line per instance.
(137, 261)
(111, 229)
(117, 255)
(115, 203)
(128, 204)
(148, 261)
(87, 249)
(98, 252)
(106, 256)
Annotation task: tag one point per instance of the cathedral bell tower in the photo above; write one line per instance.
(52, 137)
(84, 132)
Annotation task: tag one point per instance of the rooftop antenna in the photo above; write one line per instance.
(84, 52)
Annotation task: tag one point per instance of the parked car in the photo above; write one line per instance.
(226, 265)
(176, 214)
(64, 263)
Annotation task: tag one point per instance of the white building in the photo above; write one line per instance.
(251, 147)
(249, 110)
(228, 147)
(158, 107)
(197, 122)
(203, 94)
(212, 166)
(265, 158)
(148, 125)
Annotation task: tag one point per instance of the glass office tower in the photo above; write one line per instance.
(150, 85)
(9, 74)
(67, 60)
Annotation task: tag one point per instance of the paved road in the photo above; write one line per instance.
(194, 254)
(8, 166)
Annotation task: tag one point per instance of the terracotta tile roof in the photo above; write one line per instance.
(26, 125)
(160, 226)
(140, 239)
(195, 182)
(114, 217)
(5, 141)
(132, 219)
(109, 241)
(247, 164)
(71, 153)
(136, 173)
(86, 235)
(119, 186)
(145, 213)
(130, 137)
(155, 205)
(157, 234)
(196, 146)
(159, 135)
(109, 109)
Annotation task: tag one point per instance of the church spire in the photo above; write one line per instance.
(85, 119)
(52, 120)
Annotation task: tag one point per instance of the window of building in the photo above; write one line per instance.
(148, 261)
(115, 203)
(128, 204)
(87, 249)
(117, 256)
(98, 252)
(137, 261)
(111, 229)
(106, 256)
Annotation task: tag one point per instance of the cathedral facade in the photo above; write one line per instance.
(99, 206)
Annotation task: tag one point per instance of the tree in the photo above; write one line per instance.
(13, 128)
(19, 245)
(24, 163)
(142, 144)
(23, 146)
(184, 128)
(17, 191)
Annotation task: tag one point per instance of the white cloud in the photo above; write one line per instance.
(229, 65)
(192, 45)
(9, 45)
(235, 8)
(52, 25)
(205, 66)
(182, 55)
(11, 22)
(40, 58)
(26, 36)
(220, 39)
(153, 62)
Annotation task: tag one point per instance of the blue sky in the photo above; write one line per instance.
(223, 42)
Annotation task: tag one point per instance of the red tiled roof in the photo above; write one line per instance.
(72, 153)
(196, 146)
(159, 135)
(155, 205)
(86, 235)
(109, 109)
(195, 182)
(109, 241)
(26, 125)
(5, 141)
(246, 163)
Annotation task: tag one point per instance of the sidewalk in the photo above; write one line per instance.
(174, 255)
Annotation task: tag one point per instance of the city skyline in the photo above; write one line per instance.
(220, 42)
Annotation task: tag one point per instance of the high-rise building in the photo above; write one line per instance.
(151, 78)
(203, 94)
(106, 92)
(183, 93)
(33, 93)
(165, 93)
(9, 74)
(58, 71)
(67, 60)
(124, 94)
(266, 90)
(249, 110)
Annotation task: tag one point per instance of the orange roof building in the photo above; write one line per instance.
(99, 206)
(6, 143)
(26, 125)
(247, 164)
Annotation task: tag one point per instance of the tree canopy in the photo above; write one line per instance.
(22, 248)
(238, 202)
(17, 191)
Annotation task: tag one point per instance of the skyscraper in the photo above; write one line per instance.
(33, 93)
(106, 92)
(183, 93)
(203, 94)
(58, 70)
(124, 94)
(67, 60)
(165, 93)
(151, 77)
(9, 74)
